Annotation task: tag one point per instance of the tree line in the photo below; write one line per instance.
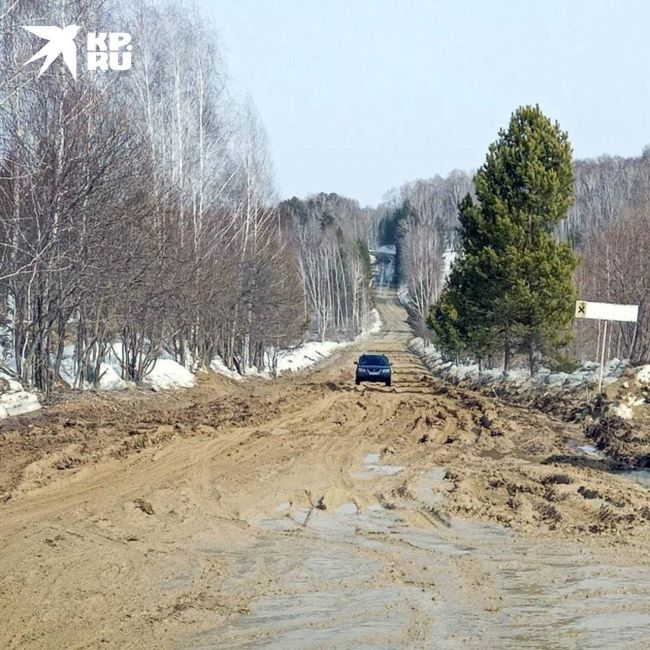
(138, 213)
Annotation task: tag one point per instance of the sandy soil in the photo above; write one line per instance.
(310, 513)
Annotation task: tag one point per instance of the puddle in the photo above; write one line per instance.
(350, 618)
(425, 493)
(373, 468)
(347, 509)
(360, 578)
(640, 476)
(589, 450)
(566, 596)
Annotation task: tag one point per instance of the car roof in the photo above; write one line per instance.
(374, 355)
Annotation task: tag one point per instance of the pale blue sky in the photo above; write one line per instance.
(359, 96)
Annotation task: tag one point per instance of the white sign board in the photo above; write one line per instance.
(607, 311)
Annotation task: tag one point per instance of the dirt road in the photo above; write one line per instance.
(310, 513)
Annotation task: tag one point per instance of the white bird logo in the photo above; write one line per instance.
(61, 41)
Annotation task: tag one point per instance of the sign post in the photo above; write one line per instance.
(606, 311)
(602, 359)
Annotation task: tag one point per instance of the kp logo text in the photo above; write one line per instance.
(104, 50)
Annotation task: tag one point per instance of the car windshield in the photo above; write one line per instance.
(373, 360)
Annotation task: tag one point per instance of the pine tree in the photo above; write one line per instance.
(511, 288)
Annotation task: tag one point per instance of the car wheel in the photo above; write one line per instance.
(389, 383)
(357, 382)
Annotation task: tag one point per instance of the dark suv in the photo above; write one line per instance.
(373, 367)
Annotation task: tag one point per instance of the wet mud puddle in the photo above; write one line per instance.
(373, 468)
(640, 476)
(367, 578)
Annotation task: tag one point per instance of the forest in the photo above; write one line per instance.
(138, 213)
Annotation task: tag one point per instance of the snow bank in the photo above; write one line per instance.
(636, 393)
(218, 366)
(109, 372)
(313, 352)
(167, 374)
(307, 355)
(109, 378)
(643, 374)
(288, 360)
(587, 374)
(448, 258)
(14, 399)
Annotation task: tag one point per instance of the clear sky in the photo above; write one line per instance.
(359, 96)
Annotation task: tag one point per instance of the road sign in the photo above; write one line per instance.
(607, 311)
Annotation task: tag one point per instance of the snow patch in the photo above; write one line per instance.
(167, 374)
(403, 296)
(643, 374)
(218, 366)
(307, 355)
(109, 372)
(14, 399)
(623, 411)
(587, 374)
(313, 352)
(625, 408)
(66, 371)
(109, 378)
(347, 509)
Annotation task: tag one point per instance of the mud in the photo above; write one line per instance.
(310, 513)
(627, 443)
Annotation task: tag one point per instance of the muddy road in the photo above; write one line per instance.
(310, 513)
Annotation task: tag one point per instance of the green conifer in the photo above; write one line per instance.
(511, 288)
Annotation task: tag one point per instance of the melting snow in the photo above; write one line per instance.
(587, 374)
(167, 374)
(643, 374)
(14, 399)
(217, 365)
(313, 352)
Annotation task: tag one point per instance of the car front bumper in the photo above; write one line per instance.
(367, 376)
